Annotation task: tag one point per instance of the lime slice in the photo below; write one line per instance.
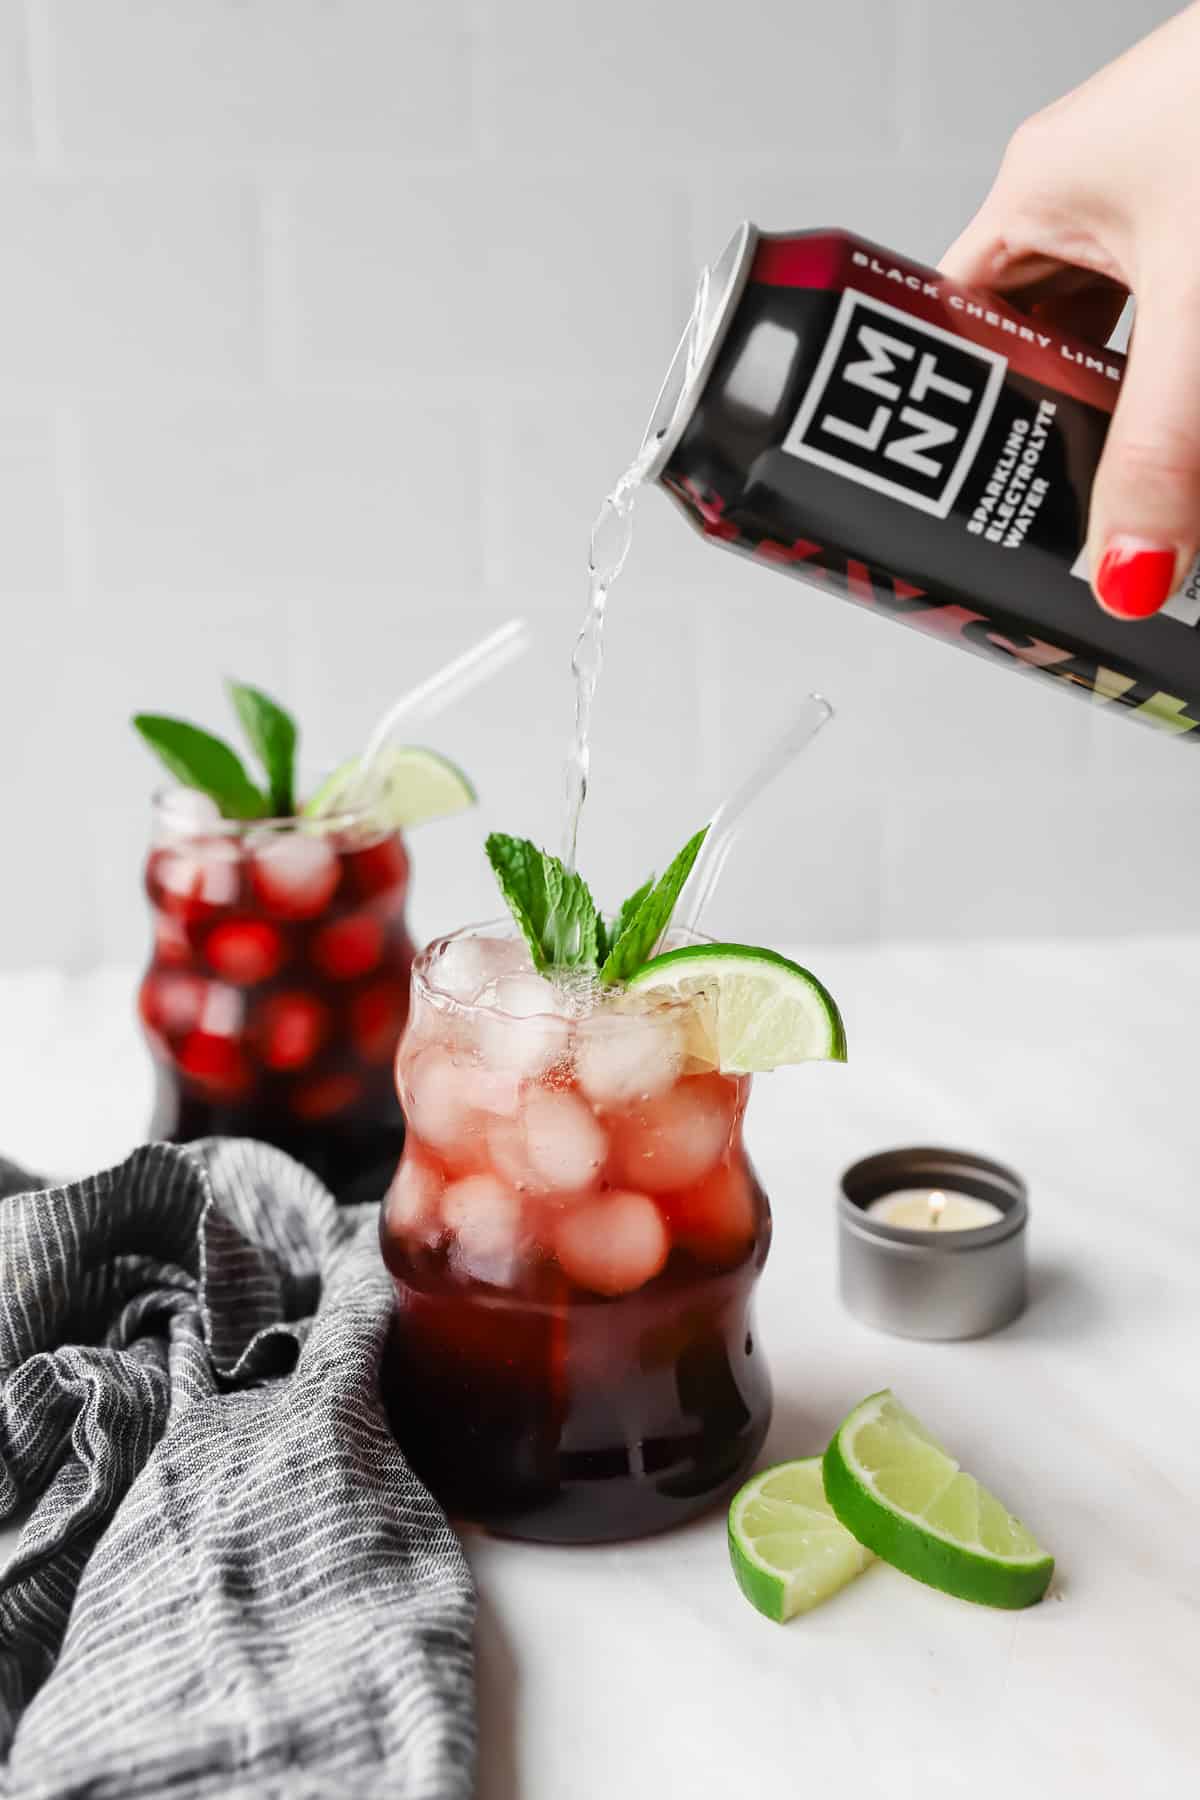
(406, 786)
(769, 1011)
(788, 1551)
(905, 1497)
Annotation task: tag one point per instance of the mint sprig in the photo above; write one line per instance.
(550, 903)
(646, 915)
(272, 736)
(199, 760)
(559, 919)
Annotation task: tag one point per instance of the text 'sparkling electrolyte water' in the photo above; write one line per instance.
(923, 448)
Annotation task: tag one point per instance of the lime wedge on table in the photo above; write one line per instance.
(769, 1011)
(788, 1551)
(905, 1497)
(406, 786)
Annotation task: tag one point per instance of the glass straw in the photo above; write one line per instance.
(730, 816)
(446, 685)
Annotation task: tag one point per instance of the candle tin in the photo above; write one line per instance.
(923, 1284)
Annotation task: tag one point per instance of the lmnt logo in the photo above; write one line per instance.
(897, 405)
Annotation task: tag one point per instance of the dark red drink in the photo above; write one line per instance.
(575, 1235)
(278, 986)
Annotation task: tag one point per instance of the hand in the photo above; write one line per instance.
(1099, 197)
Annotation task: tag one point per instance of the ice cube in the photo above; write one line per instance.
(467, 964)
(348, 947)
(673, 1140)
(462, 968)
(185, 811)
(521, 1025)
(438, 1102)
(564, 1142)
(625, 1056)
(294, 873)
(612, 1244)
(289, 1029)
(412, 1209)
(223, 1010)
(171, 1001)
(493, 1090)
(205, 875)
(171, 942)
(483, 1217)
(509, 1154)
(244, 951)
(217, 1063)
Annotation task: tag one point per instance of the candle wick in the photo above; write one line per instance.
(937, 1206)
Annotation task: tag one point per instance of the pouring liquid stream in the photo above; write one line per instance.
(611, 536)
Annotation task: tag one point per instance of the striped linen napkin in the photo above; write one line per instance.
(229, 1582)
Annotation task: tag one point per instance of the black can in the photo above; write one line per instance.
(923, 448)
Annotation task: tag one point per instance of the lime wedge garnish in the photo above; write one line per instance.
(405, 787)
(905, 1497)
(788, 1551)
(769, 1011)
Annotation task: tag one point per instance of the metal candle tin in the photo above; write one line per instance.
(924, 1284)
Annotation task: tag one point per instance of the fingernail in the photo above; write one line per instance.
(1134, 577)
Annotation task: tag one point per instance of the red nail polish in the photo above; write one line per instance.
(1134, 577)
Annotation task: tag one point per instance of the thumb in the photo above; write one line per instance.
(1145, 517)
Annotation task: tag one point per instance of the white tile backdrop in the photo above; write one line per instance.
(324, 325)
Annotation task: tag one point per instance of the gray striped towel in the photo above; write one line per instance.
(229, 1582)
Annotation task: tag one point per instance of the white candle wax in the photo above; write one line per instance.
(934, 1209)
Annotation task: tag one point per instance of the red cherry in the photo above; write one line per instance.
(322, 1098)
(377, 1015)
(348, 947)
(217, 1063)
(289, 1029)
(244, 951)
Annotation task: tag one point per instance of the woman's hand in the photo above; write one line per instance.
(1099, 197)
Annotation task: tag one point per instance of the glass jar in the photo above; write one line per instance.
(277, 987)
(574, 1234)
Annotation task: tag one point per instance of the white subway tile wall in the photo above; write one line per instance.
(324, 325)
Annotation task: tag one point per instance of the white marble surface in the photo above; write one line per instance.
(639, 1670)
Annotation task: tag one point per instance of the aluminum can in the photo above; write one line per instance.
(852, 417)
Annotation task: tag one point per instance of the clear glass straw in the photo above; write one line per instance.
(730, 816)
(446, 685)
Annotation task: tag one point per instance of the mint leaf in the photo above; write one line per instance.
(272, 734)
(551, 904)
(628, 909)
(202, 761)
(646, 915)
(607, 935)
